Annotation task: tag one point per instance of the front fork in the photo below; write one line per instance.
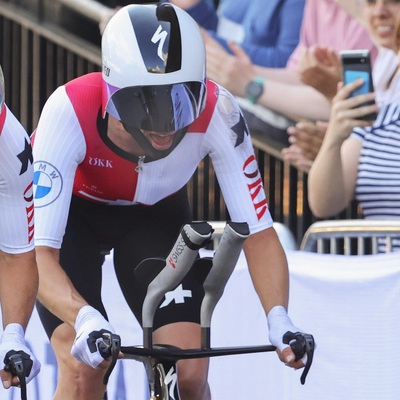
(162, 377)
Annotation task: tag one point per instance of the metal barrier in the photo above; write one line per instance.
(351, 237)
(37, 56)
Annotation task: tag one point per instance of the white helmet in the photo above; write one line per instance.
(2, 90)
(153, 59)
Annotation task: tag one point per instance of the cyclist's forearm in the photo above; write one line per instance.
(56, 291)
(268, 268)
(18, 287)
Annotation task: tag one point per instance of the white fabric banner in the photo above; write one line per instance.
(350, 305)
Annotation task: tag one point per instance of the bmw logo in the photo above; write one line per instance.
(47, 183)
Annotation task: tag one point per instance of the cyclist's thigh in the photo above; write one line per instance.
(81, 257)
(152, 235)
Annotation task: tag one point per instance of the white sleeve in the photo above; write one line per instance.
(59, 146)
(16, 198)
(236, 166)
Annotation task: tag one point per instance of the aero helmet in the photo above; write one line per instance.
(153, 58)
(2, 90)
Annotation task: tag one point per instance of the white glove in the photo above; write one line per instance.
(13, 339)
(89, 327)
(279, 323)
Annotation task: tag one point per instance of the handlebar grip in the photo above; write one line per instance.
(109, 346)
(296, 342)
(301, 344)
(15, 365)
(192, 237)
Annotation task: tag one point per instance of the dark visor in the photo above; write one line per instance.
(161, 108)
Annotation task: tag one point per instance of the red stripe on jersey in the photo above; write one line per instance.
(200, 125)
(3, 118)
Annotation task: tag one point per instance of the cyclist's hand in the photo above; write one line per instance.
(13, 342)
(90, 326)
(279, 324)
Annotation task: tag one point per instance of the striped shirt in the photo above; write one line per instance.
(378, 178)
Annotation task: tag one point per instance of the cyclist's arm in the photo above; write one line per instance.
(56, 291)
(18, 287)
(269, 272)
(241, 184)
(59, 126)
(268, 268)
(18, 271)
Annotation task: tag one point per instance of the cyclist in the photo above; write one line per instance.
(113, 152)
(18, 269)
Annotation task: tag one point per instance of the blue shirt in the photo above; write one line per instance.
(271, 28)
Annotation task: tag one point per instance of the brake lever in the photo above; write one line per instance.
(15, 365)
(110, 346)
(301, 344)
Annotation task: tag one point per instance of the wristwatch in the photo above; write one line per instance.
(255, 89)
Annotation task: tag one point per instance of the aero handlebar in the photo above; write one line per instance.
(163, 275)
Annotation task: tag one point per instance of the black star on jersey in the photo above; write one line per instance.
(240, 129)
(25, 156)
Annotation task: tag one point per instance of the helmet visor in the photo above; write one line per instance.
(161, 108)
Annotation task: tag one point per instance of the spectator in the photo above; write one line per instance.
(356, 159)
(18, 269)
(306, 136)
(283, 90)
(268, 31)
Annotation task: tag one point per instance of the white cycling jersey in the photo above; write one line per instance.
(72, 156)
(16, 194)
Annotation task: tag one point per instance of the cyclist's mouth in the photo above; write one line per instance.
(160, 141)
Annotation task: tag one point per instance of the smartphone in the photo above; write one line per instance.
(357, 64)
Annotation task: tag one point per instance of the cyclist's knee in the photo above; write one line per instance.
(76, 381)
(192, 380)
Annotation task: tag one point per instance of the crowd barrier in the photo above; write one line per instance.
(349, 303)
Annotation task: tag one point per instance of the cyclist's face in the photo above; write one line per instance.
(383, 19)
(159, 140)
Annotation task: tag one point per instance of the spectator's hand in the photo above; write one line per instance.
(13, 339)
(320, 68)
(306, 138)
(347, 112)
(279, 323)
(89, 327)
(294, 155)
(233, 72)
